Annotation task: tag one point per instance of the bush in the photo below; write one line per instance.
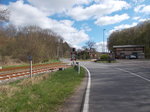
(104, 57)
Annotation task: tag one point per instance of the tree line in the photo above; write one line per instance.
(41, 44)
(138, 35)
(22, 42)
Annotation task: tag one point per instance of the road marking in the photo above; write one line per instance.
(134, 74)
(87, 94)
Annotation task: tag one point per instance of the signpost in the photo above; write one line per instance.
(73, 59)
(73, 56)
(30, 59)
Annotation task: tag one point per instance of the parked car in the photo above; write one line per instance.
(132, 57)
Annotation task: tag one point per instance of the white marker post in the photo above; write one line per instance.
(30, 59)
(78, 68)
(31, 68)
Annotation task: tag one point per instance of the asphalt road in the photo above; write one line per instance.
(119, 87)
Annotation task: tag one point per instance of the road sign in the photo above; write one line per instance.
(29, 58)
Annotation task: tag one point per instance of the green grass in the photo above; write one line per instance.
(24, 65)
(12, 66)
(46, 96)
(105, 62)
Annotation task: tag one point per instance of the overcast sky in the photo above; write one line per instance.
(78, 21)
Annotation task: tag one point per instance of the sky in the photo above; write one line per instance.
(78, 21)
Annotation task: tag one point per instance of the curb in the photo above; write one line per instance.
(84, 94)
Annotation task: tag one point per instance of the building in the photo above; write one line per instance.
(129, 51)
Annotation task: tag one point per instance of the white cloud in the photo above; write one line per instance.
(106, 20)
(56, 6)
(25, 15)
(142, 20)
(3, 7)
(146, 9)
(97, 10)
(101, 47)
(63, 6)
(85, 28)
(138, 8)
(123, 26)
(143, 9)
(136, 18)
(138, 1)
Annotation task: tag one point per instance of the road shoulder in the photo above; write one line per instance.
(75, 102)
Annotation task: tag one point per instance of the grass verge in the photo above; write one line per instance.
(45, 93)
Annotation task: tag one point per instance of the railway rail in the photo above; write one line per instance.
(37, 70)
(25, 67)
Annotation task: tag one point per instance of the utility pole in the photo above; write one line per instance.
(103, 40)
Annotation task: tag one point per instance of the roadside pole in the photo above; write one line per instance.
(30, 59)
(31, 68)
(78, 68)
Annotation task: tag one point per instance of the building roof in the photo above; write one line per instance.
(127, 46)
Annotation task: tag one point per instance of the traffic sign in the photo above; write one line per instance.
(29, 58)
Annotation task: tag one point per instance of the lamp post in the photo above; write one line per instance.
(103, 40)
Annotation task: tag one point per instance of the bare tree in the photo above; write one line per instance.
(90, 45)
(4, 14)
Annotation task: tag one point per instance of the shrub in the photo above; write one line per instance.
(104, 57)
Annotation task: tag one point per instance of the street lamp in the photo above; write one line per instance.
(103, 40)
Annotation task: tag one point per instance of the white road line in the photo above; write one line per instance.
(87, 94)
(134, 74)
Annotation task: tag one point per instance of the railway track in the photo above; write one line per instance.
(37, 70)
(25, 67)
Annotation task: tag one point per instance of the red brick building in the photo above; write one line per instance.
(128, 51)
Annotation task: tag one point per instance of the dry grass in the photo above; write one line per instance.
(8, 60)
(8, 90)
(33, 80)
